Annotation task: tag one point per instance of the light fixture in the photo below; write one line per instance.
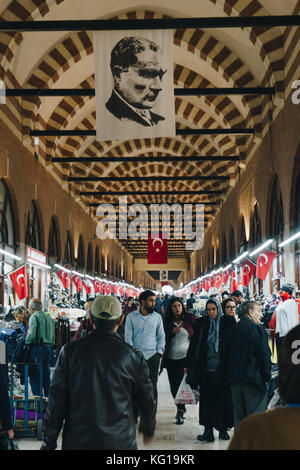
(227, 267)
(62, 268)
(261, 247)
(90, 277)
(6, 253)
(78, 274)
(40, 265)
(294, 237)
(237, 260)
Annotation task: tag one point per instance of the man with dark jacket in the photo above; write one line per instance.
(249, 363)
(97, 383)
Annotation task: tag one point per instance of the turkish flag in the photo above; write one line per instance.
(218, 281)
(97, 286)
(264, 261)
(107, 290)
(78, 282)
(248, 270)
(234, 281)
(157, 250)
(87, 287)
(226, 275)
(64, 277)
(212, 281)
(207, 284)
(19, 282)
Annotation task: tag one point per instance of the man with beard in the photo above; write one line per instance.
(144, 330)
(137, 69)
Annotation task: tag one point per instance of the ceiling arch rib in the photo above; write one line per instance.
(193, 8)
(47, 74)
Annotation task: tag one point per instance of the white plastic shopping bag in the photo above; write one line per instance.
(185, 395)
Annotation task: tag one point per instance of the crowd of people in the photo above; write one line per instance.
(105, 380)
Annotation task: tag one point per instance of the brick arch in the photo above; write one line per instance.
(14, 208)
(45, 75)
(295, 191)
(57, 228)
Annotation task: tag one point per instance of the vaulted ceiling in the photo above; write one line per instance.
(208, 58)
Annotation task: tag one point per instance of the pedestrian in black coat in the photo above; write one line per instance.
(203, 356)
(5, 413)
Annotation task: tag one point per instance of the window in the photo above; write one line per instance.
(53, 242)
(33, 232)
(89, 263)
(232, 244)
(6, 217)
(243, 239)
(255, 229)
(69, 249)
(97, 261)
(80, 254)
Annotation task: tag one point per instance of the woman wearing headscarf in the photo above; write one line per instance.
(178, 325)
(202, 360)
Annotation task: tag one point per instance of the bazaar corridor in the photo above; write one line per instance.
(168, 436)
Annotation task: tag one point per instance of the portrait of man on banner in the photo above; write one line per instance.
(135, 93)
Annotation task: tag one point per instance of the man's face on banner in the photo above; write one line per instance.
(141, 83)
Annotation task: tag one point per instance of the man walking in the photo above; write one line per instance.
(41, 336)
(97, 383)
(249, 365)
(144, 330)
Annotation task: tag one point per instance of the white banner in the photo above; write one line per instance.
(134, 84)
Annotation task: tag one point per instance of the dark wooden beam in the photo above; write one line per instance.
(159, 23)
(142, 159)
(88, 133)
(144, 193)
(108, 179)
(90, 92)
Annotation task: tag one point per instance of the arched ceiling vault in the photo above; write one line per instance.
(236, 57)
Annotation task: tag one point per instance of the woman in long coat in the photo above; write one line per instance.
(202, 360)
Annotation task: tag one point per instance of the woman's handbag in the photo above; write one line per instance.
(185, 395)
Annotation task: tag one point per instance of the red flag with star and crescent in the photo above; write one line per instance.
(157, 249)
(264, 261)
(78, 282)
(64, 278)
(19, 282)
(248, 269)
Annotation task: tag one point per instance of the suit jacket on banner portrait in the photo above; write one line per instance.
(157, 250)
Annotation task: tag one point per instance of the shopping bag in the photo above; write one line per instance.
(185, 395)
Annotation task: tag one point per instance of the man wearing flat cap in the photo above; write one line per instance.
(97, 384)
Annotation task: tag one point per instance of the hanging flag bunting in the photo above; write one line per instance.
(134, 84)
(77, 282)
(97, 286)
(107, 289)
(212, 281)
(234, 281)
(226, 275)
(64, 277)
(87, 287)
(157, 250)
(218, 281)
(19, 282)
(248, 269)
(264, 261)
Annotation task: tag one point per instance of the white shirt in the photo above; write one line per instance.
(286, 317)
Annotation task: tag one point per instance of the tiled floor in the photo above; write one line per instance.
(168, 436)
